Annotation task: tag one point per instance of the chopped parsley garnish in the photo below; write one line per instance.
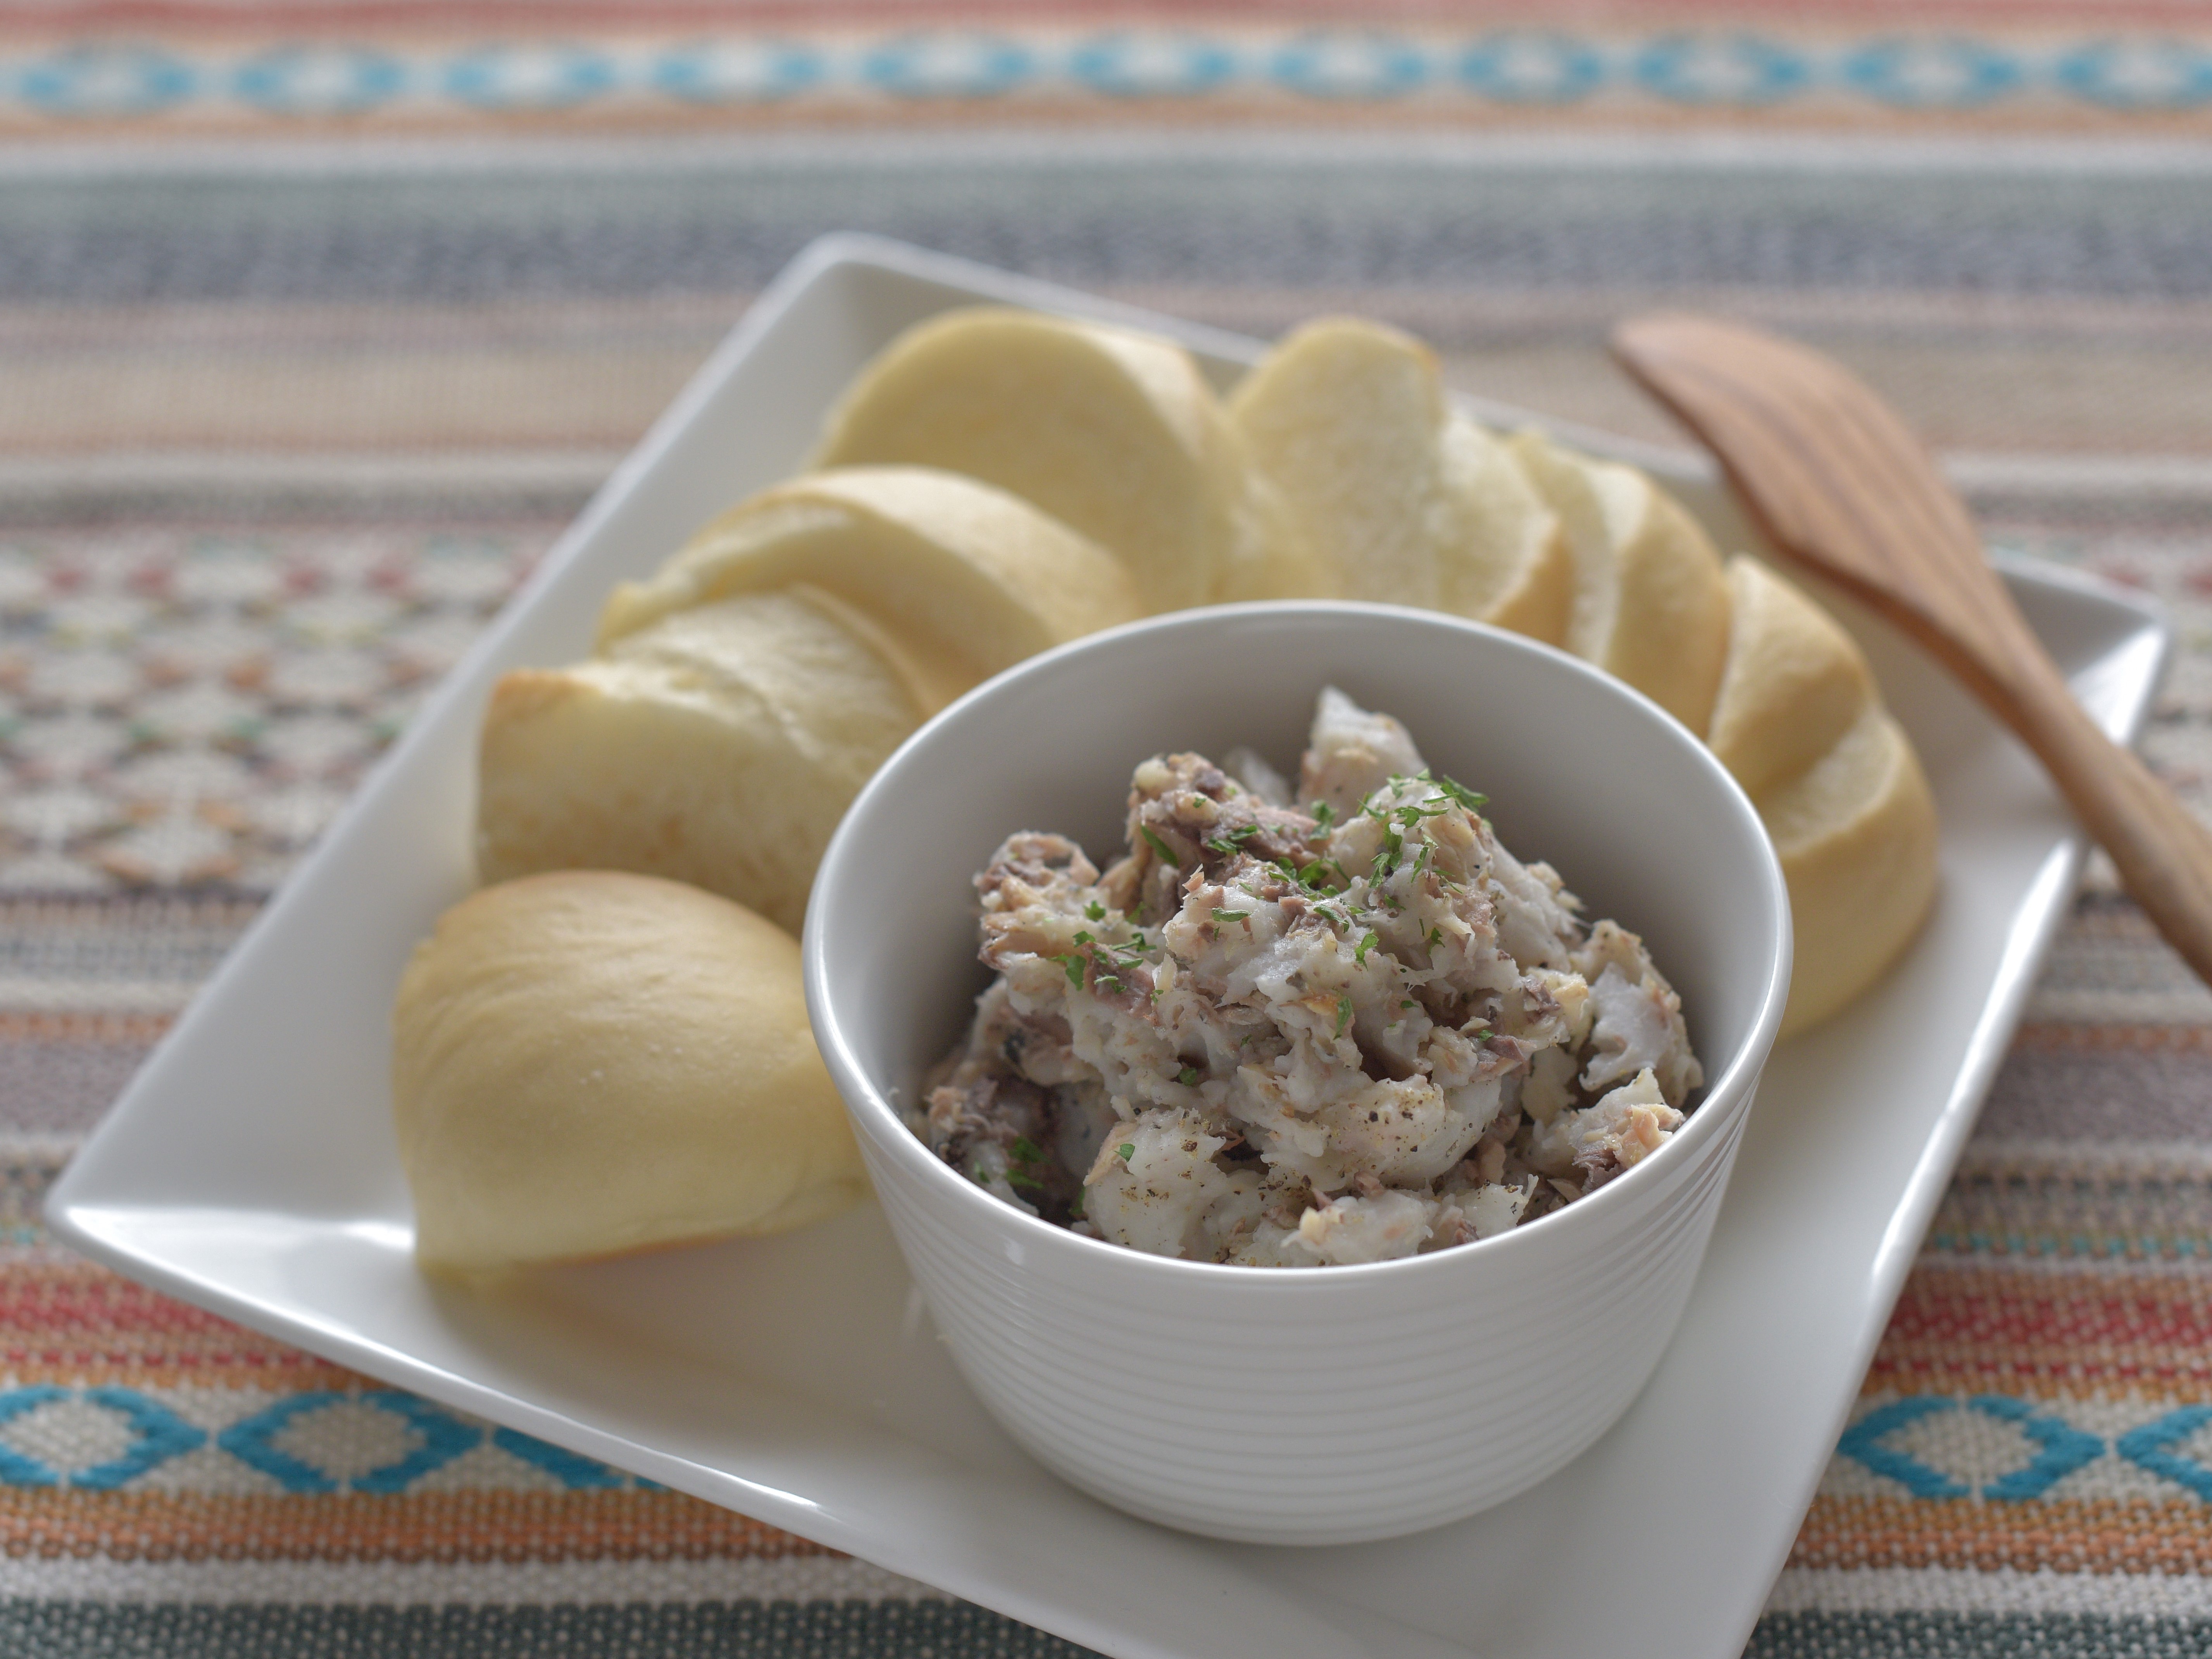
(1231, 916)
(1023, 1178)
(1230, 842)
(1366, 944)
(1107, 982)
(1343, 1012)
(1084, 939)
(1158, 846)
(1393, 844)
(1024, 1151)
(1126, 1150)
(1187, 1077)
(1407, 1003)
(1434, 933)
(1072, 961)
(1459, 791)
(1095, 910)
(1324, 814)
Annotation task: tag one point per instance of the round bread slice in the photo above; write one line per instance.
(1651, 601)
(589, 1062)
(717, 745)
(1857, 835)
(949, 580)
(1344, 416)
(1794, 684)
(1512, 565)
(1115, 434)
(1403, 502)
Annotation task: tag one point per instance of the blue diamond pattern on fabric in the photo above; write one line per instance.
(2150, 1447)
(571, 1469)
(2065, 1447)
(249, 1440)
(1864, 1441)
(2062, 1448)
(15, 1469)
(162, 1435)
(444, 1438)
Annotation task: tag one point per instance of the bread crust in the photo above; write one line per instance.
(590, 1062)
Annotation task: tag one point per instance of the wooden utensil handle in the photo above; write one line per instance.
(2162, 851)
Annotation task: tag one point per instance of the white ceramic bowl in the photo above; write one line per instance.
(1321, 1405)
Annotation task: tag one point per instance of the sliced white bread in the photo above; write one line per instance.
(949, 580)
(1514, 566)
(1651, 601)
(1794, 682)
(1857, 835)
(717, 745)
(1404, 502)
(1116, 434)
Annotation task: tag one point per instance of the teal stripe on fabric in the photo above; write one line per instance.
(735, 1629)
(1708, 69)
(1975, 1636)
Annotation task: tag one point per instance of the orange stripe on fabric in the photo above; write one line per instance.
(122, 1030)
(444, 1526)
(2069, 1038)
(2101, 1537)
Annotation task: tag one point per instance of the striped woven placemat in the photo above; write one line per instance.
(281, 423)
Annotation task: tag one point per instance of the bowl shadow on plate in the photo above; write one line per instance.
(746, 1374)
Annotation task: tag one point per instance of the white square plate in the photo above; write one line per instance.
(251, 1168)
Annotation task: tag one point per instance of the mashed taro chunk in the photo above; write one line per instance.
(1284, 1038)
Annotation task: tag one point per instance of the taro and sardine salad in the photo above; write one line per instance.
(1293, 1036)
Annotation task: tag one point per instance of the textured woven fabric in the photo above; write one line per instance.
(284, 419)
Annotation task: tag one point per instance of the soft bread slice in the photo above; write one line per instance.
(1651, 601)
(1514, 567)
(1345, 417)
(588, 1062)
(1403, 502)
(949, 580)
(1116, 434)
(1794, 684)
(1857, 837)
(717, 745)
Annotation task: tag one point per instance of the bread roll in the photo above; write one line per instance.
(1115, 434)
(718, 745)
(590, 1062)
